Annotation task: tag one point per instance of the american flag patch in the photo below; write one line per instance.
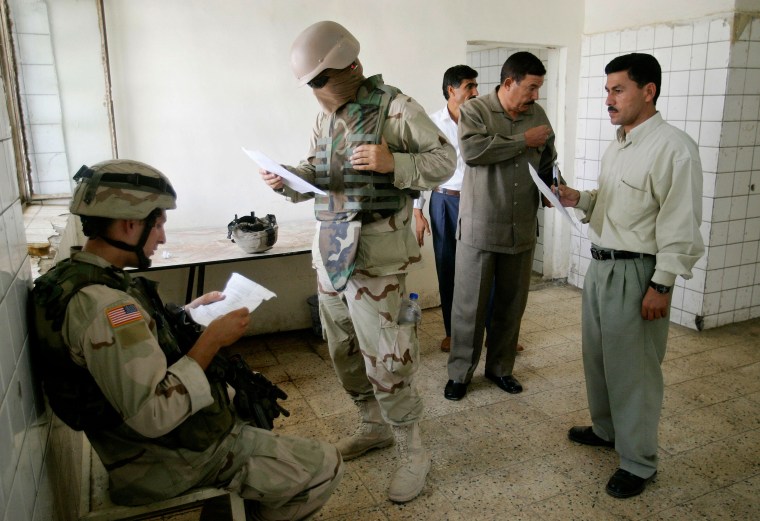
(121, 315)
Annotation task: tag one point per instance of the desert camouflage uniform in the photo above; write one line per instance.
(371, 353)
(291, 478)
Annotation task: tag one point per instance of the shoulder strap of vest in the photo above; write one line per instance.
(72, 392)
(173, 341)
(389, 93)
(55, 291)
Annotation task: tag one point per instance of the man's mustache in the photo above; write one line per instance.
(611, 109)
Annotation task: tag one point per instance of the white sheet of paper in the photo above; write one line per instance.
(290, 179)
(550, 195)
(239, 292)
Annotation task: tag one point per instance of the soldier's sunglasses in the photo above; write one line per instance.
(321, 80)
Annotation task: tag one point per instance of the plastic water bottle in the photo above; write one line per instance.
(410, 312)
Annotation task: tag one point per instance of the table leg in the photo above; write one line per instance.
(201, 277)
(190, 280)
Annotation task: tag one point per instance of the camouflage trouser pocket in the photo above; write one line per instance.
(398, 350)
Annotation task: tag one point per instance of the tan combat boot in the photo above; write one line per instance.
(414, 463)
(372, 432)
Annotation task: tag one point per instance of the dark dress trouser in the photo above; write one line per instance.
(477, 271)
(444, 214)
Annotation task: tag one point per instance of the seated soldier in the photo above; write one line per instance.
(112, 363)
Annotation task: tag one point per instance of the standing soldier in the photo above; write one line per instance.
(372, 147)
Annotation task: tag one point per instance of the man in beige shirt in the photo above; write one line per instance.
(644, 228)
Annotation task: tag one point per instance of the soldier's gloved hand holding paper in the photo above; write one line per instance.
(239, 292)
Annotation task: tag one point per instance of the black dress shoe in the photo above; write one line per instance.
(454, 390)
(506, 383)
(586, 436)
(623, 484)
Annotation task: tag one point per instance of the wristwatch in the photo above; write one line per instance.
(659, 288)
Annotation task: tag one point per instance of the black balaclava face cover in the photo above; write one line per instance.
(340, 88)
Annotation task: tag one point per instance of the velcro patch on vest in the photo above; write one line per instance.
(122, 315)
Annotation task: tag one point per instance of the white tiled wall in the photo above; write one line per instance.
(40, 100)
(711, 90)
(23, 425)
(488, 63)
(732, 289)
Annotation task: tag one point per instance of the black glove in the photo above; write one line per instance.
(255, 396)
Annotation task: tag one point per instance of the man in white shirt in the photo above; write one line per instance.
(459, 85)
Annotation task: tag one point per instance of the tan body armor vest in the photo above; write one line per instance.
(351, 192)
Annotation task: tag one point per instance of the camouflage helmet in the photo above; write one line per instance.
(323, 45)
(121, 189)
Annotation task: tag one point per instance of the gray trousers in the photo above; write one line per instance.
(622, 354)
(476, 271)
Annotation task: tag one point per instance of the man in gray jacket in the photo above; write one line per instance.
(500, 134)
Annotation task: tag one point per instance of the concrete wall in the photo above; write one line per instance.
(603, 16)
(193, 83)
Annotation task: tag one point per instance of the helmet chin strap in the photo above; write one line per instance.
(143, 262)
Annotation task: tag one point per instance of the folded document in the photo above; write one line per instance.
(239, 292)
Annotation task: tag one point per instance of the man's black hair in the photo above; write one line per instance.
(521, 64)
(454, 76)
(93, 227)
(642, 69)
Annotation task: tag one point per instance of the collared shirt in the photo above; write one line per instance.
(448, 126)
(442, 119)
(649, 198)
(499, 201)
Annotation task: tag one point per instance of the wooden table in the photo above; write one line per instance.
(201, 247)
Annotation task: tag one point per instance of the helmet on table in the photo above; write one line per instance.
(253, 234)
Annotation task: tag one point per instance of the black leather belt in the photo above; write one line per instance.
(617, 254)
(446, 191)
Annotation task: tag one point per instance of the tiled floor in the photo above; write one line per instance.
(501, 456)
(41, 222)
